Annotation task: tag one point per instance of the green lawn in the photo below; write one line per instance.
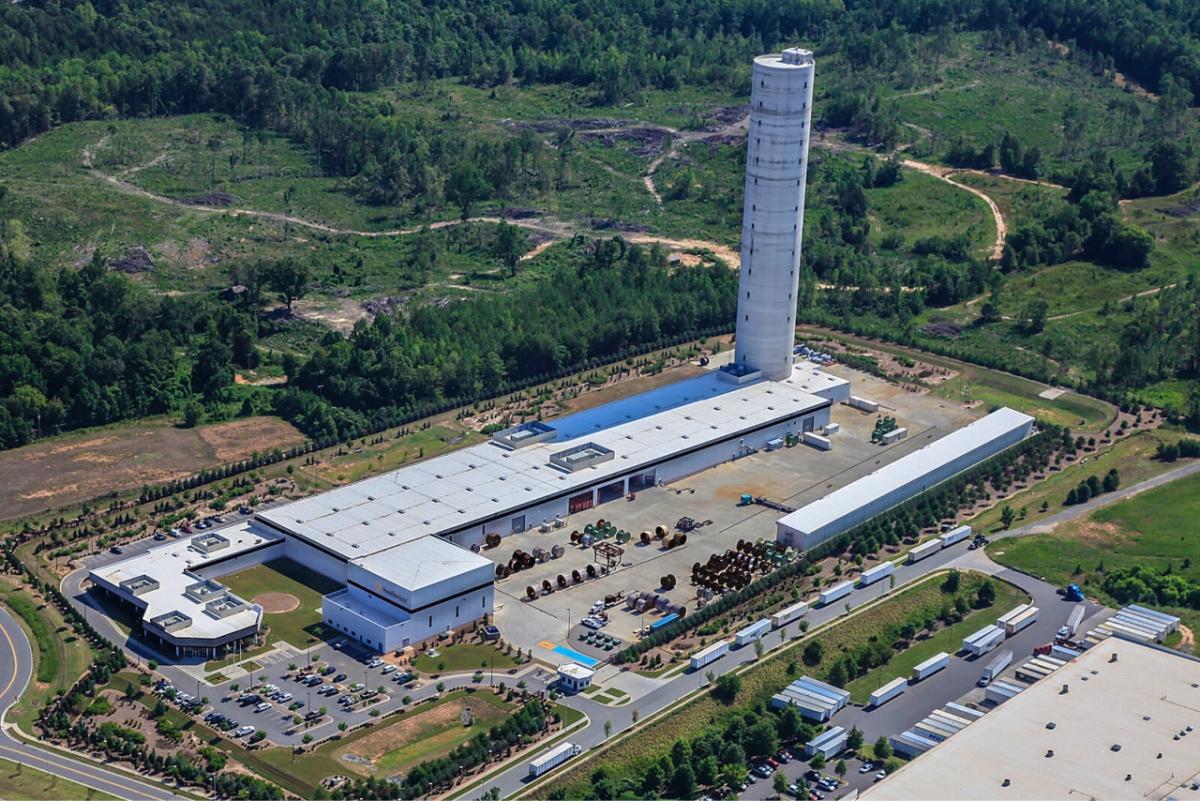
(435, 740)
(1132, 457)
(1154, 529)
(947, 639)
(464, 657)
(300, 627)
(59, 656)
(22, 783)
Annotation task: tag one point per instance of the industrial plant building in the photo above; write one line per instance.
(172, 588)
(1120, 721)
(409, 546)
(894, 483)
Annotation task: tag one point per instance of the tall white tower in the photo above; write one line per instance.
(773, 220)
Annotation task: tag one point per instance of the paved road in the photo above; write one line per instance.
(16, 659)
(1048, 523)
(515, 779)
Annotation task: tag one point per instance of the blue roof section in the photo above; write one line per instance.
(644, 404)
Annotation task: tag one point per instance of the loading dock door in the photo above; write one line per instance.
(580, 503)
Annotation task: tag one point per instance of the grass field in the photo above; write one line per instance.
(464, 657)
(301, 774)
(429, 734)
(59, 656)
(1153, 529)
(922, 206)
(300, 627)
(23, 783)
(67, 469)
(948, 639)
(628, 754)
(1019, 202)
(978, 92)
(1131, 456)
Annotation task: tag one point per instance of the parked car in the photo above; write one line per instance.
(243, 731)
(388, 669)
(340, 677)
(263, 707)
(867, 767)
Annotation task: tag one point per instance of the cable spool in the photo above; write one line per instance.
(631, 600)
(660, 531)
(541, 554)
(492, 540)
(604, 570)
(531, 593)
(683, 539)
(645, 538)
(662, 604)
(562, 581)
(610, 599)
(575, 577)
(475, 547)
(591, 571)
(557, 551)
(601, 523)
(500, 571)
(504, 571)
(575, 535)
(546, 587)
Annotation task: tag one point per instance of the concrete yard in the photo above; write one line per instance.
(792, 476)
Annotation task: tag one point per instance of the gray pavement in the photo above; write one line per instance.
(17, 658)
(515, 779)
(1048, 523)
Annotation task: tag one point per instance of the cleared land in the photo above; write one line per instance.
(76, 467)
(299, 626)
(430, 733)
(1153, 529)
(973, 384)
(22, 783)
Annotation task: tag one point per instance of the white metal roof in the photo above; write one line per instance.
(424, 562)
(897, 474)
(171, 565)
(576, 671)
(1120, 731)
(485, 481)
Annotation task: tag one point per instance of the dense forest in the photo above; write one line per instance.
(84, 346)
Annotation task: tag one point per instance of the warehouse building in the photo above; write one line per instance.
(894, 483)
(1120, 721)
(172, 588)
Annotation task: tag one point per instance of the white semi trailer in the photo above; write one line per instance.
(553, 758)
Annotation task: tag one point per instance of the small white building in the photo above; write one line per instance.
(573, 677)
